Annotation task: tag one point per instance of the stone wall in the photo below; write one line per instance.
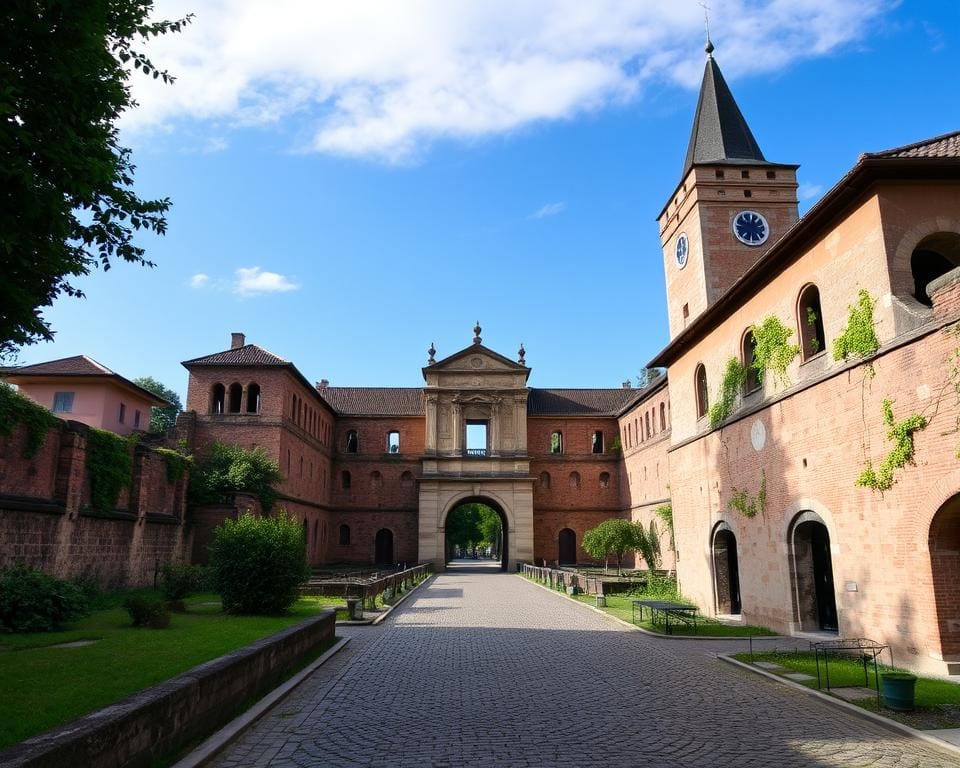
(46, 521)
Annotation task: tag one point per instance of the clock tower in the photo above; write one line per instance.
(730, 207)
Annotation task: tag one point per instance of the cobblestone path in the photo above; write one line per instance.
(485, 669)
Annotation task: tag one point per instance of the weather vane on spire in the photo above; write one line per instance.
(706, 23)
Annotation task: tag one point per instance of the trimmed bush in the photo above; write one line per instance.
(32, 601)
(145, 612)
(178, 580)
(259, 562)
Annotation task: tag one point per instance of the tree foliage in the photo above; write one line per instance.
(66, 184)
(227, 469)
(161, 419)
(473, 525)
(618, 537)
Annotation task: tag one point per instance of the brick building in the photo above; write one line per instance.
(770, 523)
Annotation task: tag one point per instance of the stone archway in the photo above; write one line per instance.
(383, 547)
(944, 544)
(726, 570)
(511, 500)
(567, 547)
(811, 569)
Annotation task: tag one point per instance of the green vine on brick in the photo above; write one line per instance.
(741, 501)
(900, 433)
(16, 409)
(734, 376)
(772, 352)
(109, 467)
(859, 337)
(176, 463)
(812, 318)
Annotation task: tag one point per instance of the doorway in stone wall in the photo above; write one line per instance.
(383, 547)
(475, 533)
(944, 544)
(726, 570)
(567, 547)
(815, 602)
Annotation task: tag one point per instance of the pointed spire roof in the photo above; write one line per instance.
(720, 133)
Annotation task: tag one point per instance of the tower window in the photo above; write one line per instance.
(345, 480)
(700, 384)
(744, 174)
(575, 480)
(217, 397)
(719, 173)
(253, 398)
(393, 442)
(476, 438)
(597, 445)
(236, 395)
(747, 193)
(663, 417)
(771, 174)
(556, 442)
(344, 535)
(604, 479)
(353, 442)
(545, 480)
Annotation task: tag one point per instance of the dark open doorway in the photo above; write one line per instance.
(567, 547)
(945, 566)
(476, 531)
(726, 572)
(816, 601)
(383, 547)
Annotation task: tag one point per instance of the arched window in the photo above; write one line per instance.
(663, 417)
(234, 396)
(556, 442)
(376, 480)
(810, 322)
(646, 420)
(217, 398)
(344, 535)
(353, 443)
(393, 442)
(604, 479)
(934, 256)
(406, 479)
(751, 380)
(700, 384)
(545, 480)
(253, 398)
(575, 480)
(596, 445)
(345, 480)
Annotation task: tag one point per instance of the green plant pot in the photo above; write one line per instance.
(898, 690)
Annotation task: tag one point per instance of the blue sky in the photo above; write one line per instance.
(351, 185)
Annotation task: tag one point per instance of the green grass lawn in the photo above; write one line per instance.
(44, 687)
(937, 701)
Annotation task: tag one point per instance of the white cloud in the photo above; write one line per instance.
(252, 281)
(384, 79)
(808, 191)
(550, 209)
(199, 281)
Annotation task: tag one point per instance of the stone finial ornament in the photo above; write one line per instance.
(432, 352)
(521, 355)
(476, 333)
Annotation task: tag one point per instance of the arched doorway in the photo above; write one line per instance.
(945, 566)
(726, 570)
(476, 523)
(383, 547)
(567, 547)
(815, 600)
(934, 256)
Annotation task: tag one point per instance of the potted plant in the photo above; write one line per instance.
(898, 690)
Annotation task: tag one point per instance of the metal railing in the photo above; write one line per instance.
(481, 452)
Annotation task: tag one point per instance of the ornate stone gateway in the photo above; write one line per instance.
(476, 448)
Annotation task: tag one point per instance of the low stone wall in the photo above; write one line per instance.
(161, 720)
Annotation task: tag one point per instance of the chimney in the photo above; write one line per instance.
(237, 340)
(322, 384)
(627, 384)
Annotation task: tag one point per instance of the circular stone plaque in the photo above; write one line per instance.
(476, 362)
(758, 435)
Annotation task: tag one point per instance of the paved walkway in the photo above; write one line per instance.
(485, 669)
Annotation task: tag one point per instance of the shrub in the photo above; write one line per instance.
(177, 580)
(32, 601)
(259, 562)
(229, 469)
(146, 612)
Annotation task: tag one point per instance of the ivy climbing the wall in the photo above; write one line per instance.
(109, 467)
(734, 376)
(772, 351)
(900, 433)
(741, 501)
(16, 409)
(859, 338)
(176, 463)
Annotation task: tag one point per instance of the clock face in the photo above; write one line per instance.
(751, 228)
(683, 250)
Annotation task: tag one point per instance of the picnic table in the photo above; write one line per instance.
(663, 611)
(861, 648)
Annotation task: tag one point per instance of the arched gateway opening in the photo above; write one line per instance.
(945, 564)
(476, 530)
(726, 570)
(815, 601)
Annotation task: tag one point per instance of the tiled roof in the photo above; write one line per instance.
(580, 402)
(375, 401)
(249, 354)
(947, 145)
(78, 365)
(720, 133)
